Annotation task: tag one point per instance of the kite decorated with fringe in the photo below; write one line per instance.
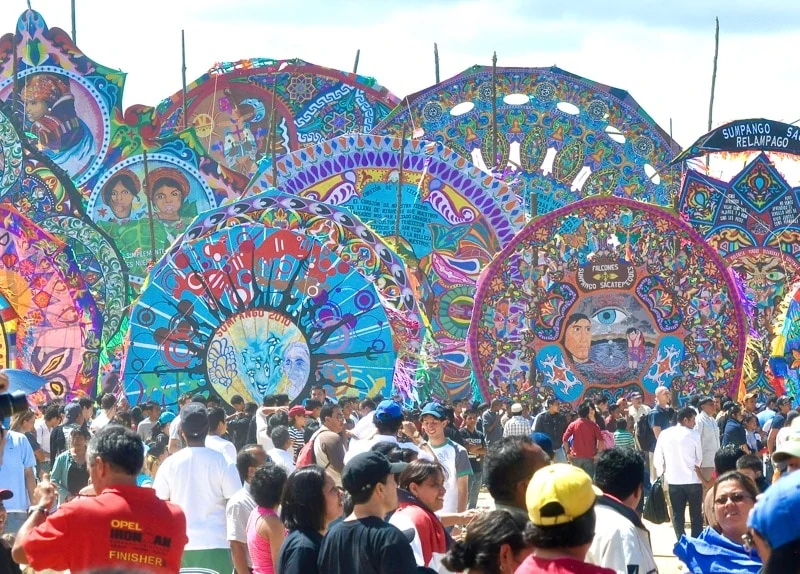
(607, 296)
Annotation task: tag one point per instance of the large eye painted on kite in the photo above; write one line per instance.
(609, 316)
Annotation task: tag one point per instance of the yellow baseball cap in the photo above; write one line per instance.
(558, 494)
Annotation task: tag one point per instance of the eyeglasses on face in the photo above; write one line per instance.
(735, 497)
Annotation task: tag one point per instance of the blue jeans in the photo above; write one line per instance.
(475, 481)
(587, 464)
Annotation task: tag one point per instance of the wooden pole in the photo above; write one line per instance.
(494, 112)
(272, 130)
(713, 78)
(183, 77)
(15, 75)
(74, 33)
(146, 185)
(355, 64)
(436, 60)
(398, 214)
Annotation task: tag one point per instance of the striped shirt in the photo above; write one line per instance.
(298, 436)
(517, 426)
(623, 439)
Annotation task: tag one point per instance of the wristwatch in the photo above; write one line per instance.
(37, 508)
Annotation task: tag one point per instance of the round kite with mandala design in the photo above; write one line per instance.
(607, 296)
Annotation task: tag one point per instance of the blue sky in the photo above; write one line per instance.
(660, 52)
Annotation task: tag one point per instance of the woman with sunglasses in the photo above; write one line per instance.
(773, 528)
(734, 495)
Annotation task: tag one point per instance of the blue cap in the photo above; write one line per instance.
(774, 516)
(388, 410)
(166, 417)
(435, 410)
(544, 442)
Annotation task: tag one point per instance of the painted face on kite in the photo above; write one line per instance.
(35, 109)
(168, 200)
(121, 200)
(297, 365)
(578, 338)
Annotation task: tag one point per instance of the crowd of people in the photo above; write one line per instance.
(367, 486)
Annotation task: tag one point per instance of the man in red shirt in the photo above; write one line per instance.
(586, 440)
(124, 525)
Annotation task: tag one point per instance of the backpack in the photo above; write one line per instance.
(306, 455)
(644, 433)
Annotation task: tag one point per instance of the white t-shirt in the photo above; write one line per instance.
(225, 447)
(358, 446)
(282, 458)
(262, 437)
(200, 481)
(365, 427)
(43, 433)
(237, 512)
(99, 422)
(454, 458)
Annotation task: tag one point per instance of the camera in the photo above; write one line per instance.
(12, 403)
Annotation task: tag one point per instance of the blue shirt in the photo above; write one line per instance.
(17, 456)
(764, 417)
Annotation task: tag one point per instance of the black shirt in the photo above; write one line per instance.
(299, 552)
(238, 428)
(553, 426)
(473, 439)
(366, 546)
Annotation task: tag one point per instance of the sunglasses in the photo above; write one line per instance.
(735, 497)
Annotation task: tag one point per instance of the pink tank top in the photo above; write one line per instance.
(259, 548)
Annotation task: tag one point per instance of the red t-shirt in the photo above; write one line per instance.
(123, 526)
(585, 435)
(534, 565)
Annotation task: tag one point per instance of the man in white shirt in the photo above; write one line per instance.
(200, 481)
(282, 454)
(364, 427)
(240, 505)
(452, 456)
(145, 427)
(217, 426)
(636, 411)
(388, 419)
(708, 429)
(44, 428)
(678, 456)
(108, 404)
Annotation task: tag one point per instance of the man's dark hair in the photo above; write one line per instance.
(686, 413)
(267, 485)
(52, 412)
(86, 403)
(216, 416)
(246, 460)
(200, 398)
(389, 427)
(303, 500)
(312, 404)
(622, 424)
(568, 535)
(283, 400)
(505, 465)
(619, 472)
(250, 408)
(469, 412)
(327, 411)
(365, 404)
(119, 447)
(601, 400)
(269, 401)
(694, 401)
(237, 400)
(583, 411)
(214, 400)
(771, 398)
(726, 457)
(790, 416)
(751, 462)
(318, 388)
(279, 436)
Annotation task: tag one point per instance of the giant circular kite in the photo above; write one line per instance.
(607, 296)
(562, 136)
(256, 311)
(452, 218)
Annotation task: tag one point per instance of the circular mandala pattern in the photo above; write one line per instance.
(432, 112)
(643, 146)
(597, 110)
(485, 92)
(545, 92)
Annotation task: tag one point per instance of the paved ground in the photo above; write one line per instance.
(662, 539)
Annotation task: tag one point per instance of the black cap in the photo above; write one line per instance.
(194, 420)
(705, 401)
(784, 400)
(367, 469)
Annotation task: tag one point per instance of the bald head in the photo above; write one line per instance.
(662, 396)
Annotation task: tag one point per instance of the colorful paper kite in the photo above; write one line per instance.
(784, 364)
(255, 311)
(51, 325)
(753, 221)
(553, 133)
(452, 219)
(755, 134)
(232, 108)
(607, 296)
(356, 244)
